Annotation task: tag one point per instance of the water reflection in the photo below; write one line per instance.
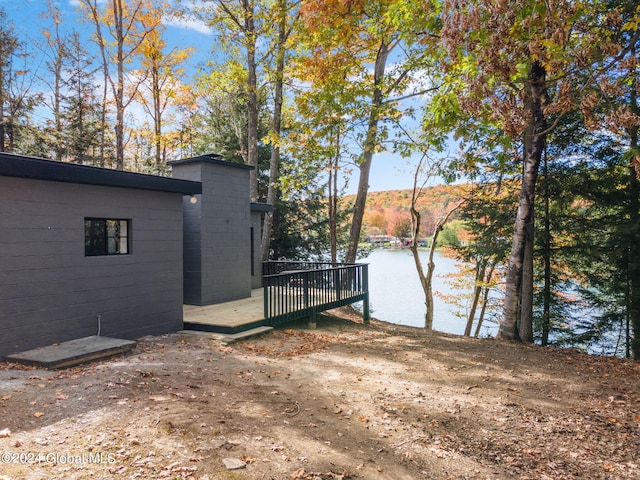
(396, 294)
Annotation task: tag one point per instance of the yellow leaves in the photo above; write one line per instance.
(633, 23)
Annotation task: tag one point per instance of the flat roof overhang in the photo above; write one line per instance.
(213, 158)
(261, 207)
(12, 165)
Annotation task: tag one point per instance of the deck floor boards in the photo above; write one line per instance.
(233, 314)
(246, 313)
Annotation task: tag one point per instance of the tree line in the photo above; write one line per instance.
(540, 99)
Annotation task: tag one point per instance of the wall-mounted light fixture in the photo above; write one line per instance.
(193, 200)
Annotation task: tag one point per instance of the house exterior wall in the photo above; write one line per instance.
(258, 210)
(51, 292)
(256, 249)
(217, 231)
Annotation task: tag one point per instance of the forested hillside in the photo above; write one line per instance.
(388, 213)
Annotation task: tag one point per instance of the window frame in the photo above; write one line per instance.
(106, 240)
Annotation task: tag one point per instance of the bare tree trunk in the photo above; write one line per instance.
(426, 278)
(485, 299)
(633, 274)
(103, 118)
(252, 97)
(367, 155)
(477, 291)
(525, 326)
(276, 127)
(92, 5)
(2, 121)
(333, 203)
(634, 261)
(546, 252)
(157, 118)
(119, 93)
(534, 142)
(59, 53)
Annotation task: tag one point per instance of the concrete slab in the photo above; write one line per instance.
(73, 352)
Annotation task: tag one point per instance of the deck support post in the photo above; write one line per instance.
(366, 315)
(312, 322)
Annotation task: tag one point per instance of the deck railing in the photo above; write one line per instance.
(294, 290)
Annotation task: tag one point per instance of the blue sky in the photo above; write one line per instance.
(388, 172)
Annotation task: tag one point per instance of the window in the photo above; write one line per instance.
(103, 236)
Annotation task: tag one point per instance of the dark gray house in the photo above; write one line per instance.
(86, 251)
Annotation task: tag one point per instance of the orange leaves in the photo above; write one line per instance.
(504, 41)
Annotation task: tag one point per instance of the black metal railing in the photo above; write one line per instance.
(294, 290)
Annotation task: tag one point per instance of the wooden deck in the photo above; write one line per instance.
(291, 291)
(229, 317)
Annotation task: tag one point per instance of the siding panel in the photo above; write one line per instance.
(51, 292)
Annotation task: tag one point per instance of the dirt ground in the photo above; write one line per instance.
(344, 401)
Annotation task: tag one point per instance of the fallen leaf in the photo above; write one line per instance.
(300, 473)
(38, 414)
(158, 398)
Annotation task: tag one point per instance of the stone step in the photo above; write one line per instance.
(231, 337)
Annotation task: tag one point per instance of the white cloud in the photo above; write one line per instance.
(188, 24)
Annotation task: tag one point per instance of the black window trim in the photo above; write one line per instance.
(104, 251)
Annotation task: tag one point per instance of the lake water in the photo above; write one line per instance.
(396, 296)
